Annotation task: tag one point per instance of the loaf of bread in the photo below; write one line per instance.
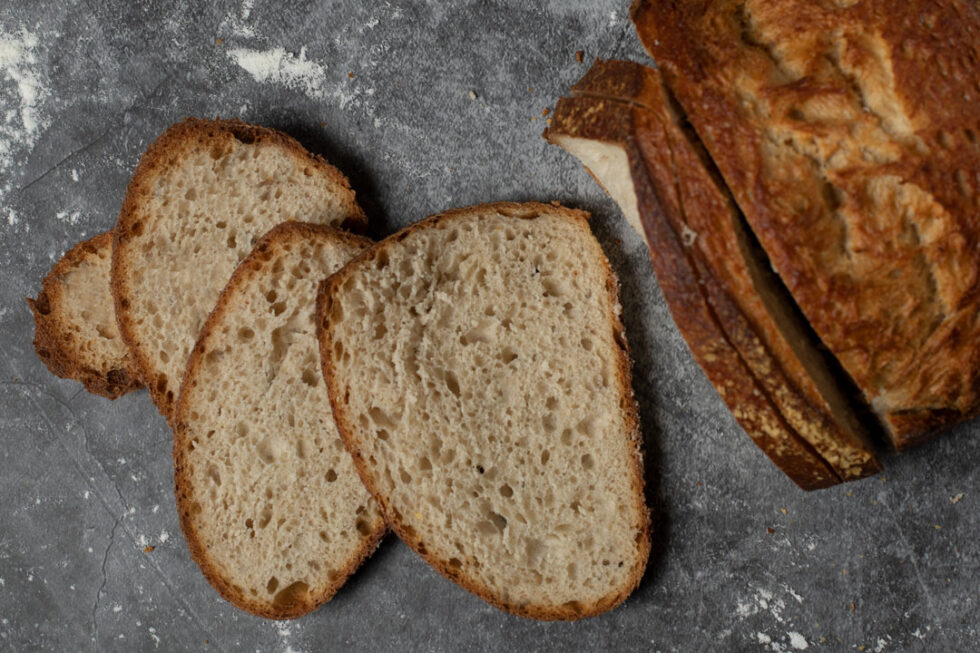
(848, 135)
(729, 306)
(268, 498)
(75, 331)
(201, 197)
(479, 374)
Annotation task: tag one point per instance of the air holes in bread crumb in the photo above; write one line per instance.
(310, 377)
(331, 476)
(587, 461)
(271, 586)
(245, 334)
(506, 491)
(452, 382)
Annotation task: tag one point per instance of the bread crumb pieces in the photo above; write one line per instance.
(852, 606)
(350, 75)
(783, 510)
(938, 527)
(770, 530)
(218, 41)
(580, 56)
(323, 123)
(545, 112)
(957, 498)
(473, 95)
(148, 549)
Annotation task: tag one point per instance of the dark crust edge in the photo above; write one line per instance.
(249, 266)
(155, 159)
(49, 338)
(642, 525)
(603, 87)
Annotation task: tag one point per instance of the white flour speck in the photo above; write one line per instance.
(763, 638)
(117, 608)
(21, 118)
(799, 599)
(281, 67)
(141, 541)
(164, 536)
(74, 174)
(12, 218)
(880, 645)
(69, 217)
(797, 641)
(155, 508)
(2, 582)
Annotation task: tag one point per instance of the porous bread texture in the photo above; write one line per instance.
(269, 501)
(847, 132)
(75, 332)
(479, 374)
(200, 198)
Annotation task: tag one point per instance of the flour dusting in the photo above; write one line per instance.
(69, 217)
(797, 641)
(20, 116)
(281, 67)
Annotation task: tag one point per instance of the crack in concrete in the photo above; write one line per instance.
(57, 165)
(105, 581)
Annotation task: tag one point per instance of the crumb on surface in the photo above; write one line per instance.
(580, 56)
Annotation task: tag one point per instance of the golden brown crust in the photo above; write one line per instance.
(250, 266)
(691, 231)
(527, 210)
(847, 132)
(56, 343)
(163, 152)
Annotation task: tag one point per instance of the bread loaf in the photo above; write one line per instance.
(730, 308)
(847, 133)
(201, 197)
(268, 498)
(75, 332)
(479, 374)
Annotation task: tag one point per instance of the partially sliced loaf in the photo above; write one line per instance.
(731, 309)
(75, 331)
(200, 198)
(268, 498)
(479, 374)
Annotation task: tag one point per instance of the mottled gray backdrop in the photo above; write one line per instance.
(425, 107)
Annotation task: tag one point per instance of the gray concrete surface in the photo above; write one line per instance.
(444, 109)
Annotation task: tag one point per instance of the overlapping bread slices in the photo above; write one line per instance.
(728, 305)
(269, 501)
(75, 332)
(201, 197)
(479, 374)
(848, 135)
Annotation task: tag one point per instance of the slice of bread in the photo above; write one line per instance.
(738, 320)
(200, 198)
(75, 331)
(479, 374)
(268, 498)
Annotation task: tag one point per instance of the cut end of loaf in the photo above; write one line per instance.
(500, 433)
(75, 333)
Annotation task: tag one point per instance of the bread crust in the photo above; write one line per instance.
(528, 211)
(251, 265)
(847, 132)
(162, 153)
(54, 342)
(690, 228)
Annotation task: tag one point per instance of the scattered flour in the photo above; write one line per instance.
(281, 67)
(20, 117)
(69, 217)
(238, 24)
(164, 536)
(74, 174)
(12, 218)
(797, 641)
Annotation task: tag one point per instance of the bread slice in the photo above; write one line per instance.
(75, 331)
(848, 135)
(732, 311)
(201, 197)
(479, 374)
(268, 498)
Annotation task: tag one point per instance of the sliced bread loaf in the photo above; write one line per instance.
(200, 198)
(75, 331)
(479, 374)
(269, 500)
(733, 312)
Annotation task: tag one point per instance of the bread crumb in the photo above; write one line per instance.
(938, 527)
(534, 118)
(545, 112)
(218, 41)
(957, 498)
(770, 530)
(148, 549)
(580, 56)
(350, 75)
(323, 123)
(782, 510)
(473, 95)
(852, 606)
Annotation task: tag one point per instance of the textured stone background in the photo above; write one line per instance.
(743, 561)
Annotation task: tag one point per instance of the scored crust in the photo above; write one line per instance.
(744, 335)
(641, 518)
(98, 361)
(161, 155)
(226, 587)
(848, 135)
